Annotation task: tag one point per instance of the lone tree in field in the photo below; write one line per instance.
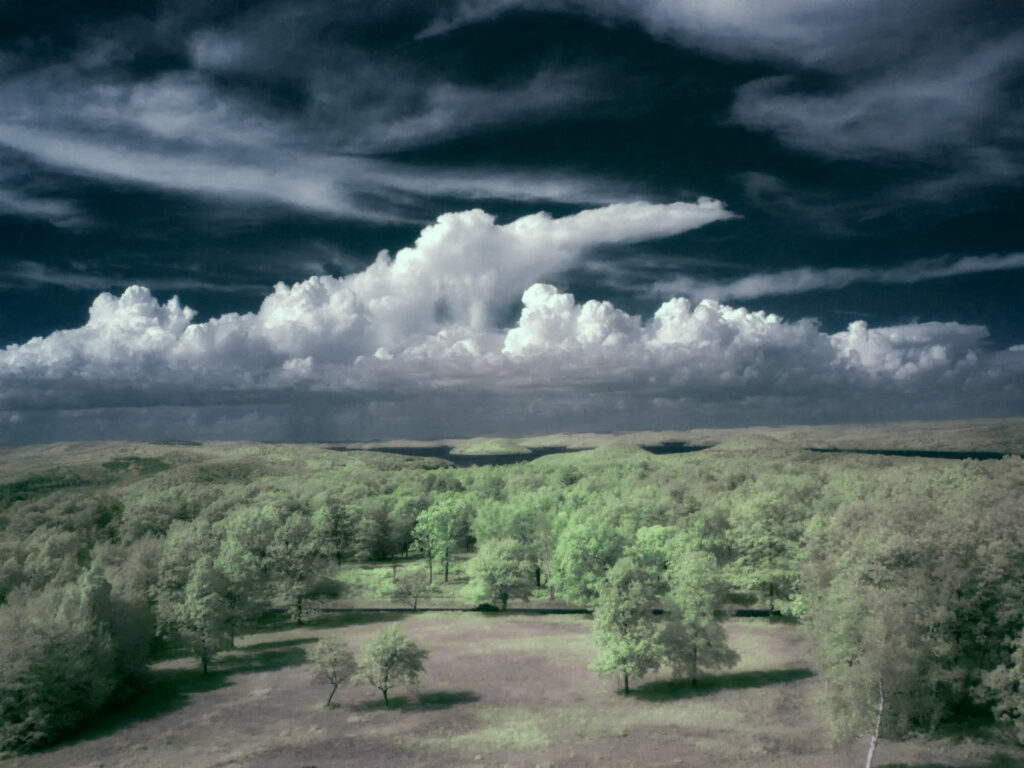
(411, 586)
(499, 572)
(333, 663)
(624, 630)
(392, 659)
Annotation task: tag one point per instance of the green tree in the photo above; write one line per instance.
(499, 572)
(391, 659)
(693, 637)
(410, 586)
(295, 562)
(200, 616)
(332, 528)
(624, 629)
(59, 660)
(529, 519)
(589, 543)
(333, 663)
(767, 530)
(440, 529)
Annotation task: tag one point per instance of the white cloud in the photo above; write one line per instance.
(901, 77)
(182, 132)
(415, 335)
(805, 279)
(32, 274)
(462, 271)
(919, 112)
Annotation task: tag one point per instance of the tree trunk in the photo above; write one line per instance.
(536, 575)
(333, 691)
(625, 683)
(446, 569)
(878, 725)
(430, 569)
(547, 577)
(298, 610)
(385, 692)
(204, 661)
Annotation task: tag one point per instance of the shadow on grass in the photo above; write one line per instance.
(350, 619)
(668, 690)
(445, 699)
(165, 690)
(328, 619)
(1000, 760)
(436, 700)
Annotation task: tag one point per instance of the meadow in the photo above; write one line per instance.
(125, 568)
(499, 690)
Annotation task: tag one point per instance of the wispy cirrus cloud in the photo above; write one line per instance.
(185, 131)
(805, 279)
(873, 80)
(32, 274)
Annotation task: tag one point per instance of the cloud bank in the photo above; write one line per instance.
(415, 345)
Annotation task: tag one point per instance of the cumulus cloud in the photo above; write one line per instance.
(460, 274)
(806, 279)
(414, 344)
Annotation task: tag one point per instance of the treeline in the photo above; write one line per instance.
(908, 574)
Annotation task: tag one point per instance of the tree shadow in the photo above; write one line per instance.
(334, 620)
(276, 645)
(377, 704)
(445, 699)
(998, 760)
(424, 701)
(669, 690)
(331, 618)
(165, 690)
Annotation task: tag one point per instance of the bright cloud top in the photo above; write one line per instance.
(427, 320)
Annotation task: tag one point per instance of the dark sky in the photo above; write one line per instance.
(596, 215)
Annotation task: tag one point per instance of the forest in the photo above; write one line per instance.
(904, 575)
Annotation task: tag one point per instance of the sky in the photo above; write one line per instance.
(313, 220)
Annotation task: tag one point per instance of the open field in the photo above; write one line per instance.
(498, 690)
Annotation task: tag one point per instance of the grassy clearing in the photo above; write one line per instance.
(498, 690)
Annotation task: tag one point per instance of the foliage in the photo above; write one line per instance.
(441, 528)
(624, 628)
(333, 662)
(391, 659)
(693, 637)
(411, 585)
(201, 617)
(589, 543)
(66, 651)
(498, 573)
(767, 535)
(919, 595)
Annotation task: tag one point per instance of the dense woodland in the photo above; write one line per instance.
(907, 573)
